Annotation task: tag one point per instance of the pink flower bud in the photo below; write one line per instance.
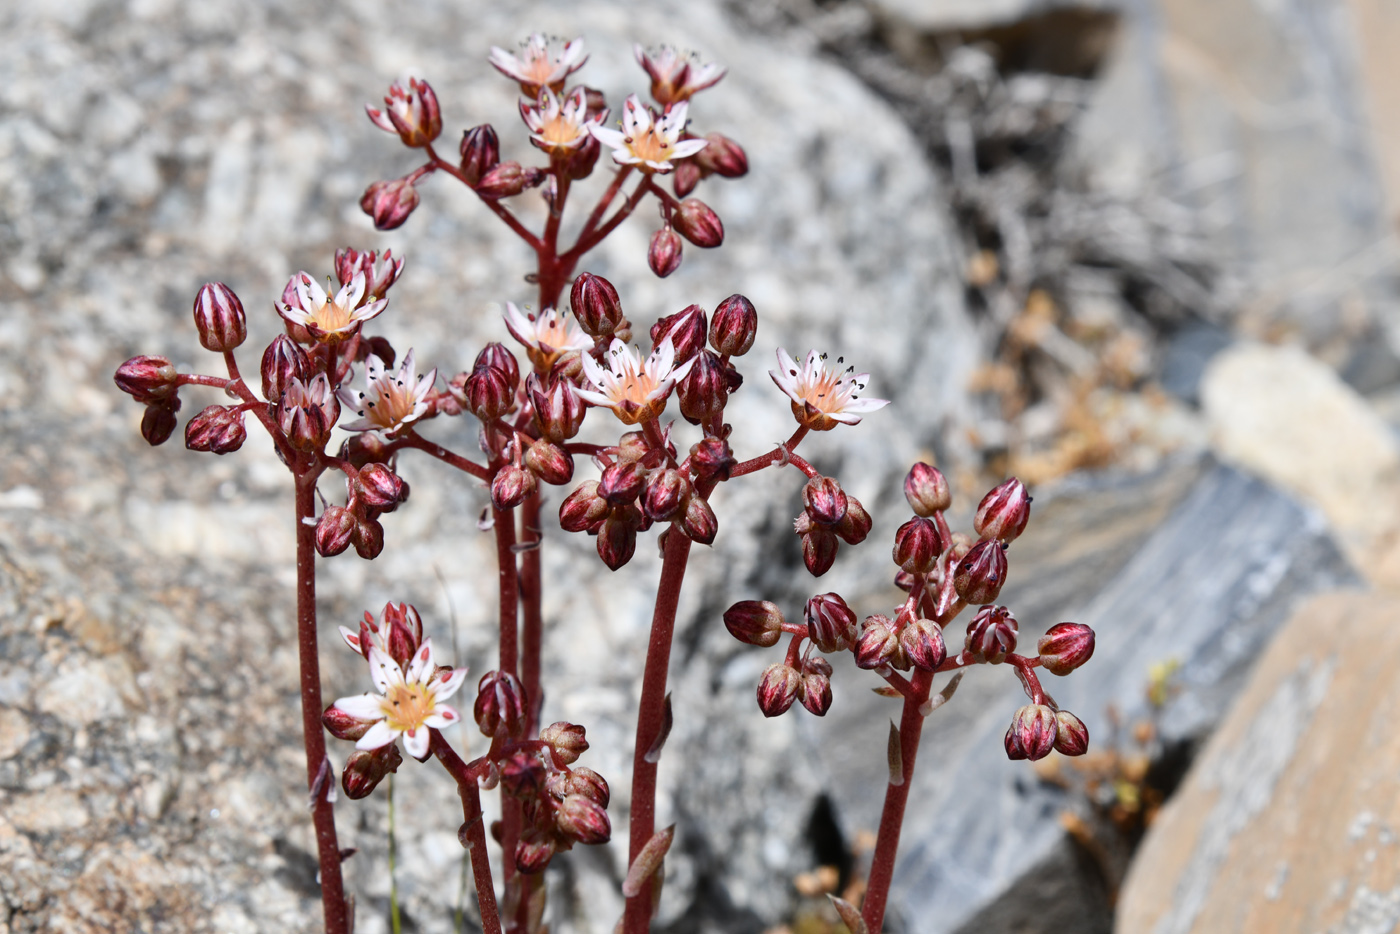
(733, 326)
(343, 726)
(487, 393)
(218, 430)
(1032, 733)
(664, 253)
(558, 410)
(579, 163)
(916, 546)
(617, 536)
(819, 549)
(549, 462)
(699, 522)
(622, 482)
(219, 318)
(1071, 735)
(586, 782)
(507, 179)
(366, 769)
(380, 488)
(158, 423)
(511, 485)
(981, 572)
(282, 362)
(334, 530)
(705, 390)
(685, 328)
(410, 111)
(522, 774)
(687, 175)
(496, 354)
(756, 622)
(481, 151)
(581, 818)
(596, 305)
(1066, 646)
(500, 705)
(403, 632)
(584, 509)
(664, 494)
(379, 275)
(566, 739)
(532, 854)
(815, 692)
(722, 157)
(697, 222)
(389, 203)
(1003, 513)
(368, 538)
(991, 635)
(307, 412)
(878, 644)
(855, 524)
(926, 489)
(711, 459)
(777, 689)
(147, 379)
(922, 642)
(824, 500)
(831, 624)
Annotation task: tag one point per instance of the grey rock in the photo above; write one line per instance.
(1187, 356)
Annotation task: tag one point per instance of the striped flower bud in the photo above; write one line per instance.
(1003, 513)
(926, 489)
(219, 318)
(733, 326)
(755, 622)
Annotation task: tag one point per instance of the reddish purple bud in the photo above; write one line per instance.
(389, 203)
(579, 163)
(595, 304)
(581, 818)
(697, 222)
(410, 111)
(831, 624)
(685, 328)
(733, 326)
(617, 536)
(584, 509)
(403, 632)
(664, 494)
(549, 462)
(219, 317)
(756, 622)
(1032, 733)
(307, 412)
(991, 635)
(878, 644)
(824, 500)
(533, 853)
(568, 740)
(916, 546)
(815, 693)
(334, 530)
(511, 485)
(1066, 646)
(366, 769)
(282, 362)
(981, 572)
(507, 179)
(699, 522)
(343, 726)
(368, 538)
(218, 430)
(558, 409)
(777, 689)
(922, 642)
(622, 482)
(487, 393)
(500, 705)
(586, 782)
(685, 177)
(481, 151)
(496, 354)
(522, 774)
(664, 253)
(722, 157)
(1071, 735)
(819, 549)
(147, 379)
(1003, 513)
(158, 423)
(855, 525)
(705, 390)
(926, 489)
(380, 488)
(380, 273)
(711, 459)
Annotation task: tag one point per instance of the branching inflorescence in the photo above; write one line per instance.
(580, 361)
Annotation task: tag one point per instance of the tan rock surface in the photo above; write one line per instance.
(1288, 820)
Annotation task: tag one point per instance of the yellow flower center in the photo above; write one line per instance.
(331, 317)
(650, 146)
(558, 131)
(406, 706)
(823, 394)
(395, 403)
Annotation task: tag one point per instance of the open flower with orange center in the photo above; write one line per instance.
(649, 141)
(408, 705)
(820, 399)
(673, 77)
(559, 125)
(547, 336)
(329, 319)
(534, 69)
(635, 391)
(394, 399)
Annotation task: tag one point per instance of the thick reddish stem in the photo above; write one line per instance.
(782, 455)
(650, 716)
(476, 831)
(420, 443)
(532, 614)
(327, 847)
(911, 724)
(509, 593)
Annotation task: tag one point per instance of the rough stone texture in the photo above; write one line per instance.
(1288, 820)
(945, 15)
(985, 848)
(150, 147)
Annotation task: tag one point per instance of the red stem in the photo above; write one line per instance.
(327, 847)
(532, 629)
(476, 831)
(783, 454)
(509, 592)
(602, 206)
(412, 440)
(911, 724)
(589, 241)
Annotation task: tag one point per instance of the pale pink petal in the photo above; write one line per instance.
(443, 688)
(442, 718)
(383, 670)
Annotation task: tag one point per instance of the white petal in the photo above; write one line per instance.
(688, 147)
(362, 706)
(595, 373)
(861, 406)
(595, 398)
(443, 689)
(442, 718)
(420, 669)
(415, 742)
(381, 734)
(383, 670)
(613, 139)
(351, 638)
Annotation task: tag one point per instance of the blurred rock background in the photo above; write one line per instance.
(1139, 253)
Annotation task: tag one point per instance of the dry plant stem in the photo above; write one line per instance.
(327, 847)
(476, 832)
(650, 713)
(911, 724)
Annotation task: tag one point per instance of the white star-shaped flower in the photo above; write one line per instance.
(329, 319)
(559, 124)
(534, 69)
(546, 336)
(673, 77)
(394, 399)
(649, 141)
(821, 400)
(635, 391)
(408, 705)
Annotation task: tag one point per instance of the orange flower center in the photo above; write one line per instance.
(395, 403)
(650, 146)
(406, 706)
